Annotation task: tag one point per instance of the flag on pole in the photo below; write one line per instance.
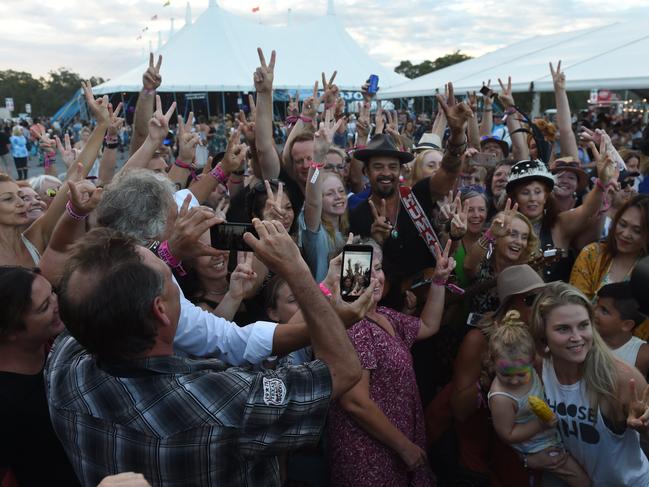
(255, 9)
(155, 17)
(167, 3)
(145, 29)
(138, 38)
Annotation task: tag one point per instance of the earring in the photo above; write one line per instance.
(546, 349)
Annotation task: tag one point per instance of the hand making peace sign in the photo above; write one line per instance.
(151, 79)
(265, 73)
(187, 141)
(503, 220)
(444, 264)
(159, 123)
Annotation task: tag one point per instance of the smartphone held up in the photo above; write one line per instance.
(356, 271)
(229, 236)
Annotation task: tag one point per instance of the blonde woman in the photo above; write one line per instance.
(425, 164)
(602, 404)
(510, 240)
(324, 222)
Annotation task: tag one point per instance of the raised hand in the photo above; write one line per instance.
(187, 141)
(446, 207)
(276, 211)
(235, 153)
(151, 79)
(222, 207)
(444, 264)
(294, 104)
(381, 226)
(188, 227)
(275, 248)
(68, 154)
(505, 96)
(503, 220)
(159, 123)
(392, 126)
(457, 114)
(311, 104)
(84, 196)
(246, 126)
(486, 99)
(638, 417)
(459, 219)
(558, 77)
(115, 122)
(330, 90)
(242, 280)
(265, 73)
(363, 120)
(472, 100)
(325, 135)
(606, 167)
(352, 312)
(99, 107)
(379, 122)
(367, 96)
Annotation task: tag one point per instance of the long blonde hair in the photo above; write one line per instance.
(599, 371)
(343, 220)
(417, 172)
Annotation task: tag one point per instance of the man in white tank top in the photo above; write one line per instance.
(616, 315)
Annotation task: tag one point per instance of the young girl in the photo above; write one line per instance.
(512, 352)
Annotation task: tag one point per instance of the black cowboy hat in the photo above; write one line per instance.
(640, 284)
(382, 145)
(526, 171)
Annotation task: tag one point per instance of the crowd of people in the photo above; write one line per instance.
(143, 341)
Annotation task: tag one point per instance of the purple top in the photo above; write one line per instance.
(356, 458)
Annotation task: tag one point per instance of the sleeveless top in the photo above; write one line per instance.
(31, 248)
(547, 438)
(609, 459)
(559, 270)
(629, 351)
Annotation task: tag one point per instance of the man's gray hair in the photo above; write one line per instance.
(137, 203)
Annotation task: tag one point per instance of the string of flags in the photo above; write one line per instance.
(167, 3)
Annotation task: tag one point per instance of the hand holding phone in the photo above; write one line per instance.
(485, 159)
(229, 236)
(373, 84)
(356, 271)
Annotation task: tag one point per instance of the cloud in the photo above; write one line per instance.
(100, 37)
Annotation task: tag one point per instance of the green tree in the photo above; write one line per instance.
(411, 71)
(45, 94)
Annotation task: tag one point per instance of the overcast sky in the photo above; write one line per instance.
(100, 37)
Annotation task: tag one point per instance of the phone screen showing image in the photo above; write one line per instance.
(356, 271)
(229, 236)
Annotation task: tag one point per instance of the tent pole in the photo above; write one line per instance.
(223, 102)
(207, 100)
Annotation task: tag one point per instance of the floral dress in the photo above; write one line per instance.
(355, 457)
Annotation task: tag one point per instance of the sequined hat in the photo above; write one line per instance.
(525, 171)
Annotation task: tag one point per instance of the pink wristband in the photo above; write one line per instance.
(73, 214)
(218, 174)
(165, 254)
(489, 236)
(189, 167)
(325, 290)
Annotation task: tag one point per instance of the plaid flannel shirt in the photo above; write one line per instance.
(179, 421)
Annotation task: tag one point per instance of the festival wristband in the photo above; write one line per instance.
(218, 174)
(489, 236)
(73, 214)
(165, 254)
(325, 290)
(189, 167)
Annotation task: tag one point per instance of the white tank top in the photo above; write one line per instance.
(610, 459)
(629, 351)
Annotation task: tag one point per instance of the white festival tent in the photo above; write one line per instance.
(218, 53)
(606, 57)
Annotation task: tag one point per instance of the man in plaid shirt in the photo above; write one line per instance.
(120, 400)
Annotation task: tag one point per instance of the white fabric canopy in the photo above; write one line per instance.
(218, 52)
(612, 57)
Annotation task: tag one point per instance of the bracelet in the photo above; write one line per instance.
(330, 105)
(110, 146)
(438, 282)
(317, 165)
(218, 174)
(456, 149)
(510, 110)
(165, 254)
(111, 140)
(73, 214)
(189, 167)
(325, 290)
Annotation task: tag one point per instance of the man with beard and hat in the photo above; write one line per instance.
(383, 216)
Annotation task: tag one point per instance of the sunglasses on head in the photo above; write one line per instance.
(51, 192)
